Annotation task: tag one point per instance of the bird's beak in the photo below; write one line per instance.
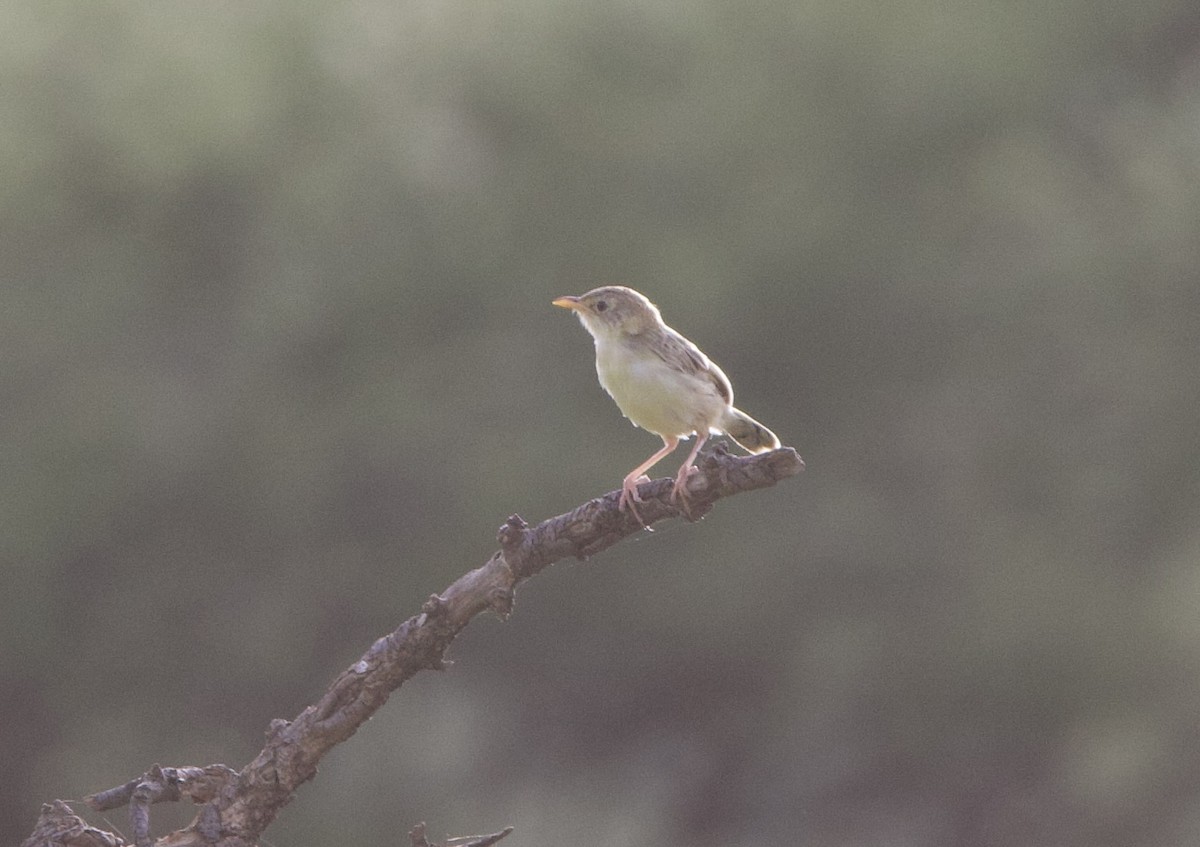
(567, 302)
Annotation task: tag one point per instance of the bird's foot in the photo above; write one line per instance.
(630, 496)
(679, 492)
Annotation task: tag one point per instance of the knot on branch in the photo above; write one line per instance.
(511, 534)
(713, 460)
(434, 607)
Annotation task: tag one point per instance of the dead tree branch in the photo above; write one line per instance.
(417, 836)
(237, 807)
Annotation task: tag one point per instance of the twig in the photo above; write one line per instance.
(417, 836)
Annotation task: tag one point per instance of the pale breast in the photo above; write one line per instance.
(656, 396)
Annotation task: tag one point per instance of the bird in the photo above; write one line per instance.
(661, 382)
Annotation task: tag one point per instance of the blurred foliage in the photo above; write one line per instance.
(279, 357)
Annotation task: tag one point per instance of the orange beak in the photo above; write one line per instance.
(567, 302)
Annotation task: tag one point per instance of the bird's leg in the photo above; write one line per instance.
(679, 490)
(629, 493)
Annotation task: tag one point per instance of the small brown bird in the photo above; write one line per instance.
(661, 382)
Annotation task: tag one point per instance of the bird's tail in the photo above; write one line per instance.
(748, 432)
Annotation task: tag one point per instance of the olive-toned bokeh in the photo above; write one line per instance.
(279, 357)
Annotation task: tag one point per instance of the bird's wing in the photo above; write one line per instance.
(678, 352)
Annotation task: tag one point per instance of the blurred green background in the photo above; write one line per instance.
(279, 357)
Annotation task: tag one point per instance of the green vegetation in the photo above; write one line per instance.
(279, 356)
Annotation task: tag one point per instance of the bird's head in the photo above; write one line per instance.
(613, 311)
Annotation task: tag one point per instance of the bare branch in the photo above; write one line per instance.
(58, 825)
(160, 784)
(239, 807)
(479, 840)
(417, 836)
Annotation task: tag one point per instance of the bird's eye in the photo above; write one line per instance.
(602, 306)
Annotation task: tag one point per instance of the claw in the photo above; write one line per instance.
(629, 493)
(679, 492)
(629, 496)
